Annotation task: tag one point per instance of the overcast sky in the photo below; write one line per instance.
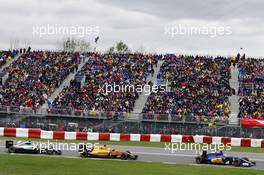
(141, 24)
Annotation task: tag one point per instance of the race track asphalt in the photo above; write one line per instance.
(151, 154)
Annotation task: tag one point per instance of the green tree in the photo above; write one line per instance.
(71, 45)
(121, 47)
(111, 49)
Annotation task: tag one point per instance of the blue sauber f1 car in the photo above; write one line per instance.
(218, 158)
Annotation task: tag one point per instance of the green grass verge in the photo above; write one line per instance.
(140, 144)
(25, 165)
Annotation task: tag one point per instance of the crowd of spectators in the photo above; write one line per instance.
(199, 86)
(34, 76)
(99, 71)
(251, 89)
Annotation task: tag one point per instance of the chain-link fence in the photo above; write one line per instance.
(130, 123)
(70, 112)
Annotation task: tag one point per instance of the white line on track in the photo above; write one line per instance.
(164, 154)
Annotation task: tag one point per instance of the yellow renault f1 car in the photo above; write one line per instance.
(105, 152)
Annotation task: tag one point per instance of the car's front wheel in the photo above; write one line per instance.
(58, 152)
(135, 157)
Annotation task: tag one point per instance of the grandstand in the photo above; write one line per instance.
(63, 91)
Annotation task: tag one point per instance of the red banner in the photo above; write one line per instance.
(250, 123)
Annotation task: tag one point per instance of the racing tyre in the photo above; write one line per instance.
(237, 162)
(123, 157)
(84, 154)
(135, 157)
(113, 156)
(50, 152)
(11, 149)
(199, 160)
(36, 151)
(58, 152)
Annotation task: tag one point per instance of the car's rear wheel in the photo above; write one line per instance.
(11, 149)
(50, 152)
(113, 156)
(84, 154)
(237, 162)
(199, 160)
(123, 156)
(36, 151)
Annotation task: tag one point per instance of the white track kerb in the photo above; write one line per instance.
(97, 136)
